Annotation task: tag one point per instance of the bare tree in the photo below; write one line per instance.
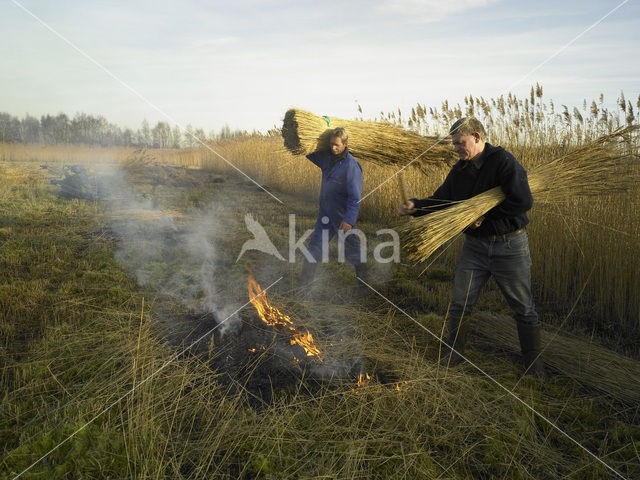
(177, 137)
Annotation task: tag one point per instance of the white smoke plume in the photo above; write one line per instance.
(173, 256)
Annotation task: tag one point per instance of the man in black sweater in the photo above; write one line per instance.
(495, 244)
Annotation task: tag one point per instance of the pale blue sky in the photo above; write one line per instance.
(246, 62)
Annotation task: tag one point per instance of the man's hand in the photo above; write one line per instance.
(345, 227)
(406, 208)
(477, 223)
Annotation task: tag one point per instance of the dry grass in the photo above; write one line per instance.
(75, 338)
(590, 364)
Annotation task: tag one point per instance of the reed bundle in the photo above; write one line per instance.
(590, 364)
(377, 142)
(595, 169)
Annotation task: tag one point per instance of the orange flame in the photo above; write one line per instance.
(363, 379)
(273, 317)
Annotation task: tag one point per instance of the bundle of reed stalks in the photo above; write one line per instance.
(586, 362)
(598, 168)
(377, 142)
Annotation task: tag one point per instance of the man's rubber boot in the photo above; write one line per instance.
(307, 274)
(530, 341)
(458, 337)
(363, 276)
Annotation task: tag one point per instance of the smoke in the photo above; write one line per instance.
(180, 257)
(170, 254)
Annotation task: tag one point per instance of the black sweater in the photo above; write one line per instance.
(494, 167)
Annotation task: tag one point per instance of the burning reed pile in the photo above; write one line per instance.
(281, 323)
(377, 142)
(266, 352)
(599, 168)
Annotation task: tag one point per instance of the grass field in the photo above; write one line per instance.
(81, 327)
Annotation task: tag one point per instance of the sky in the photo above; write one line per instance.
(243, 63)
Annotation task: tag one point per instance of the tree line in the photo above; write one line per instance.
(96, 130)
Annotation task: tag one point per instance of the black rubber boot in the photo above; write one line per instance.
(363, 276)
(307, 274)
(458, 336)
(530, 341)
(363, 272)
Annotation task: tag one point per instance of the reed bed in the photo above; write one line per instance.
(61, 155)
(376, 142)
(601, 167)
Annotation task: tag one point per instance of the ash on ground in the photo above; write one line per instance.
(259, 360)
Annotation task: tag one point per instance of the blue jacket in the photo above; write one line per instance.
(495, 167)
(341, 187)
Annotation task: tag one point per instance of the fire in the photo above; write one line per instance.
(363, 379)
(273, 317)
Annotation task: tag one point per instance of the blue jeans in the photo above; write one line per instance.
(352, 251)
(509, 261)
